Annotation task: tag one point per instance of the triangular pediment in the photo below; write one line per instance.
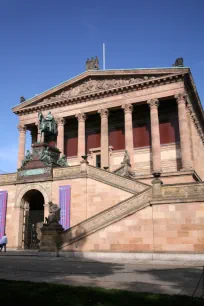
(93, 82)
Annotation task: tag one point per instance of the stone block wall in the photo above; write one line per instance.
(88, 197)
(177, 228)
(170, 159)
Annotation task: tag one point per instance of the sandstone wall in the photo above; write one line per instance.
(12, 216)
(170, 158)
(160, 228)
(88, 197)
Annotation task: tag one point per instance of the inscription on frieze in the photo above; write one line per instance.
(30, 172)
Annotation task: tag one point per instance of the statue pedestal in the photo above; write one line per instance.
(50, 237)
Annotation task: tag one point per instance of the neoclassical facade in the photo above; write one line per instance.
(154, 115)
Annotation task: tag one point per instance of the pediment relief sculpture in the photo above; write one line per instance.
(92, 85)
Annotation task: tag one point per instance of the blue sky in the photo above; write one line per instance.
(45, 42)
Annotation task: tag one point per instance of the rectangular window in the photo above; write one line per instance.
(3, 206)
(64, 203)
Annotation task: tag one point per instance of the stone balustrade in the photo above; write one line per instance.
(116, 180)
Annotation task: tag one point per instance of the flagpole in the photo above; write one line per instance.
(104, 57)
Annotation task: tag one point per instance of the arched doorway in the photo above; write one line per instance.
(33, 218)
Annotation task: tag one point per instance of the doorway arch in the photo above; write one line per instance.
(33, 217)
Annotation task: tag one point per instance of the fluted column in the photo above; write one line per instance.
(184, 132)
(81, 135)
(128, 108)
(21, 147)
(104, 138)
(155, 136)
(60, 134)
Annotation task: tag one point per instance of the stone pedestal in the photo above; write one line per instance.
(84, 163)
(50, 237)
(157, 187)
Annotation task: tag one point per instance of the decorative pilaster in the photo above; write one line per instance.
(60, 135)
(104, 138)
(81, 134)
(128, 108)
(21, 147)
(184, 132)
(155, 136)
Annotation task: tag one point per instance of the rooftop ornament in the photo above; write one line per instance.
(92, 63)
(178, 62)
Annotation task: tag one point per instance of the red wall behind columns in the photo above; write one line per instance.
(168, 122)
(71, 137)
(141, 126)
(93, 132)
(116, 129)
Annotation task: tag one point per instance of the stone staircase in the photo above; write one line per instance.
(140, 199)
(116, 180)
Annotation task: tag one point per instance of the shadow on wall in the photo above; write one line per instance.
(73, 239)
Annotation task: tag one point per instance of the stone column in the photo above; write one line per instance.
(128, 108)
(60, 135)
(21, 147)
(104, 138)
(155, 136)
(81, 135)
(184, 132)
(38, 131)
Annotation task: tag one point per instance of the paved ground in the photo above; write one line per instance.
(141, 275)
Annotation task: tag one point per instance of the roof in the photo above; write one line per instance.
(100, 73)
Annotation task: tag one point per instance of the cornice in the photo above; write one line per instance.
(60, 102)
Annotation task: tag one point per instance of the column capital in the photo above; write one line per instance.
(181, 97)
(60, 121)
(21, 128)
(104, 112)
(128, 108)
(153, 103)
(81, 116)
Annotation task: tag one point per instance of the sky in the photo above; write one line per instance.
(46, 42)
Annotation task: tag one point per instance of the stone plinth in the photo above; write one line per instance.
(50, 237)
(35, 168)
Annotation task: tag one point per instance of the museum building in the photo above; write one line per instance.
(121, 152)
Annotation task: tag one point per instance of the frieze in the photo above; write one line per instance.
(107, 217)
(98, 87)
(91, 86)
